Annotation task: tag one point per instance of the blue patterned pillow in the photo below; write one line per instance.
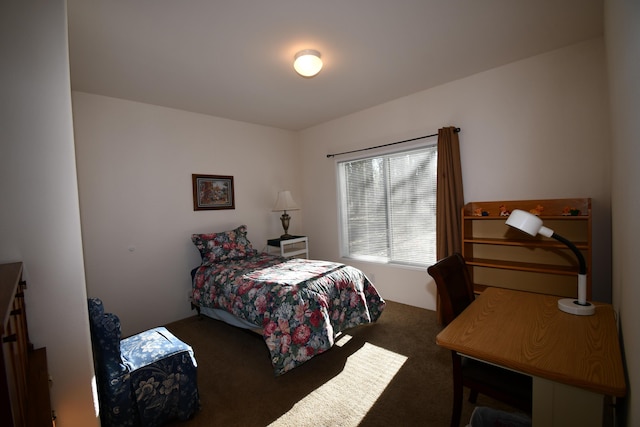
(223, 246)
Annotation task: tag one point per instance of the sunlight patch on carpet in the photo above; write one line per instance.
(342, 339)
(346, 398)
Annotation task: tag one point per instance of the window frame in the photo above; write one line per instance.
(342, 228)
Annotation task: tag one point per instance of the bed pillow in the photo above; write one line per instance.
(232, 244)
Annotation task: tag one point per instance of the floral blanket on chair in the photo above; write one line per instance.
(301, 304)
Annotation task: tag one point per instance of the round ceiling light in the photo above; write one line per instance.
(307, 62)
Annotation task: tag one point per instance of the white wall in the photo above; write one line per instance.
(39, 218)
(134, 171)
(537, 128)
(622, 34)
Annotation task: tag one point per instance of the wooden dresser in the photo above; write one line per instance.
(24, 378)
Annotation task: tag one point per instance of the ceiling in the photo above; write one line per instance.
(233, 58)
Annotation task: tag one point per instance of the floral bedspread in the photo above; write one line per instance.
(301, 304)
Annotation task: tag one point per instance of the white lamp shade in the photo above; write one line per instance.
(307, 62)
(528, 222)
(285, 202)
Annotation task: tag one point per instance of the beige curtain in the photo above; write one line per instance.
(449, 196)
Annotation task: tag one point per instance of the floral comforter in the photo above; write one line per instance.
(301, 304)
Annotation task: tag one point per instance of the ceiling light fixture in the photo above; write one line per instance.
(307, 62)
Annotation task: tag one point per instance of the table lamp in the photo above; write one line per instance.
(285, 203)
(532, 225)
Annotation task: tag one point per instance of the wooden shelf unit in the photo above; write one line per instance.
(499, 256)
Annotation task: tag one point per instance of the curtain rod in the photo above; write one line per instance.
(456, 130)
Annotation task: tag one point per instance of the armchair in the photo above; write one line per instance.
(147, 379)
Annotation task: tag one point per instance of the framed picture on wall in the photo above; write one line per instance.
(212, 192)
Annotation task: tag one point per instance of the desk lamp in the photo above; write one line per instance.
(532, 225)
(285, 203)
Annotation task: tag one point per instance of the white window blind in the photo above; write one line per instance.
(388, 207)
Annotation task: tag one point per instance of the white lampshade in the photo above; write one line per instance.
(528, 222)
(285, 202)
(307, 62)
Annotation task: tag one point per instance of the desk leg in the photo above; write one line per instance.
(560, 405)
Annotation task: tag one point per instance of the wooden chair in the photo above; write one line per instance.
(456, 293)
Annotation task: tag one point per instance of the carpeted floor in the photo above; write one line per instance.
(390, 373)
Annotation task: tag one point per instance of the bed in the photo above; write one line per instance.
(298, 305)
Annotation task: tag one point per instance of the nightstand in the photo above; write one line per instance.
(290, 247)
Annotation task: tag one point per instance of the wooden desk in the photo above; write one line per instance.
(574, 360)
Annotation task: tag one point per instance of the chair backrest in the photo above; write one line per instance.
(105, 336)
(454, 286)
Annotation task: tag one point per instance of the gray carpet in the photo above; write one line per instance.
(390, 373)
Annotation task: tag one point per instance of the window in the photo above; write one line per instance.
(388, 207)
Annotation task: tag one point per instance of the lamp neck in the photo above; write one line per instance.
(575, 250)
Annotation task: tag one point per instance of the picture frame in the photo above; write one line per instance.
(212, 192)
